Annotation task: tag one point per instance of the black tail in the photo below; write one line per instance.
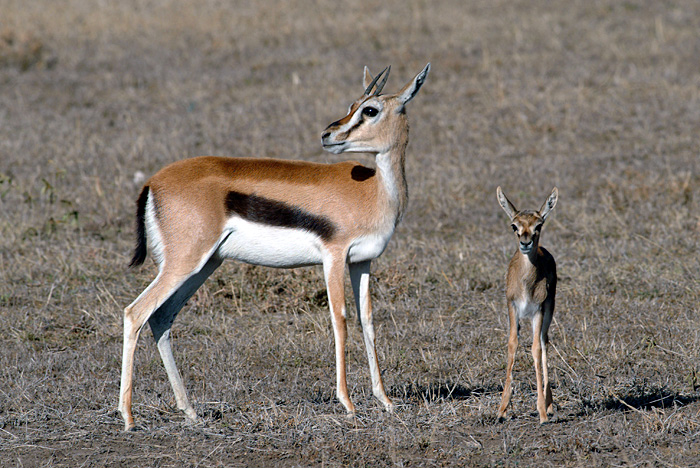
(141, 247)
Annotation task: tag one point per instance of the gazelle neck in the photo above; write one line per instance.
(530, 260)
(391, 166)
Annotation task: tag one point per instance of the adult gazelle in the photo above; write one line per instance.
(194, 213)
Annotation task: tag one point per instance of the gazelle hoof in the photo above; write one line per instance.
(130, 427)
(191, 415)
(389, 407)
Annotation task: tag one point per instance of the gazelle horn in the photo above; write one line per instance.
(374, 81)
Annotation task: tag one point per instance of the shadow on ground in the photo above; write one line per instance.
(440, 391)
(639, 397)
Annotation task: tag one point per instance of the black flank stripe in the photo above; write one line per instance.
(275, 213)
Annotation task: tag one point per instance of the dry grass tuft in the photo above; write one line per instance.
(23, 50)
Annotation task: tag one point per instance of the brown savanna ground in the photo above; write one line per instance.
(601, 99)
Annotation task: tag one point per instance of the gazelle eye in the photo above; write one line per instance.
(370, 111)
(515, 228)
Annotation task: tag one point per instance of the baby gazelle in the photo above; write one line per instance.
(531, 284)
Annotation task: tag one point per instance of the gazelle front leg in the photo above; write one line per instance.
(537, 358)
(548, 403)
(359, 277)
(548, 313)
(512, 347)
(334, 270)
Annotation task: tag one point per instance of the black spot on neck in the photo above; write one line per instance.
(275, 213)
(362, 173)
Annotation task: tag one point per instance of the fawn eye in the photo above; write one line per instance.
(515, 228)
(370, 111)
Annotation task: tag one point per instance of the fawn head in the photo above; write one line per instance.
(527, 224)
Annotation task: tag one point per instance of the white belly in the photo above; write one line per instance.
(525, 308)
(271, 246)
(368, 247)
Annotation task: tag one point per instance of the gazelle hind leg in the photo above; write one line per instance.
(359, 277)
(135, 317)
(131, 335)
(158, 304)
(166, 354)
(512, 348)
(161, 321)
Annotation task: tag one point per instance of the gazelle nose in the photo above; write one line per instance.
(526, 244)
(326, 135)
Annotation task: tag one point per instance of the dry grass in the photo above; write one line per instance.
(599, 98)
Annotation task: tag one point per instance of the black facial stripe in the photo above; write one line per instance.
(359, 122)
(275, 213)
(362, 173)
(344, 136)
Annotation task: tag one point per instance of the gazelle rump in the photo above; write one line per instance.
(531, 284)
(194, 213)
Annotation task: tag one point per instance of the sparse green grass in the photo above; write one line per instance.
(598, 98)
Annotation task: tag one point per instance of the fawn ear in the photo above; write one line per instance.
(550, 203)
(411, 89)
(507, 206)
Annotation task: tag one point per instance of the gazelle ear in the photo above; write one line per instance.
(550, 203)
(367, 78)
(411, 89)
(507, 206)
